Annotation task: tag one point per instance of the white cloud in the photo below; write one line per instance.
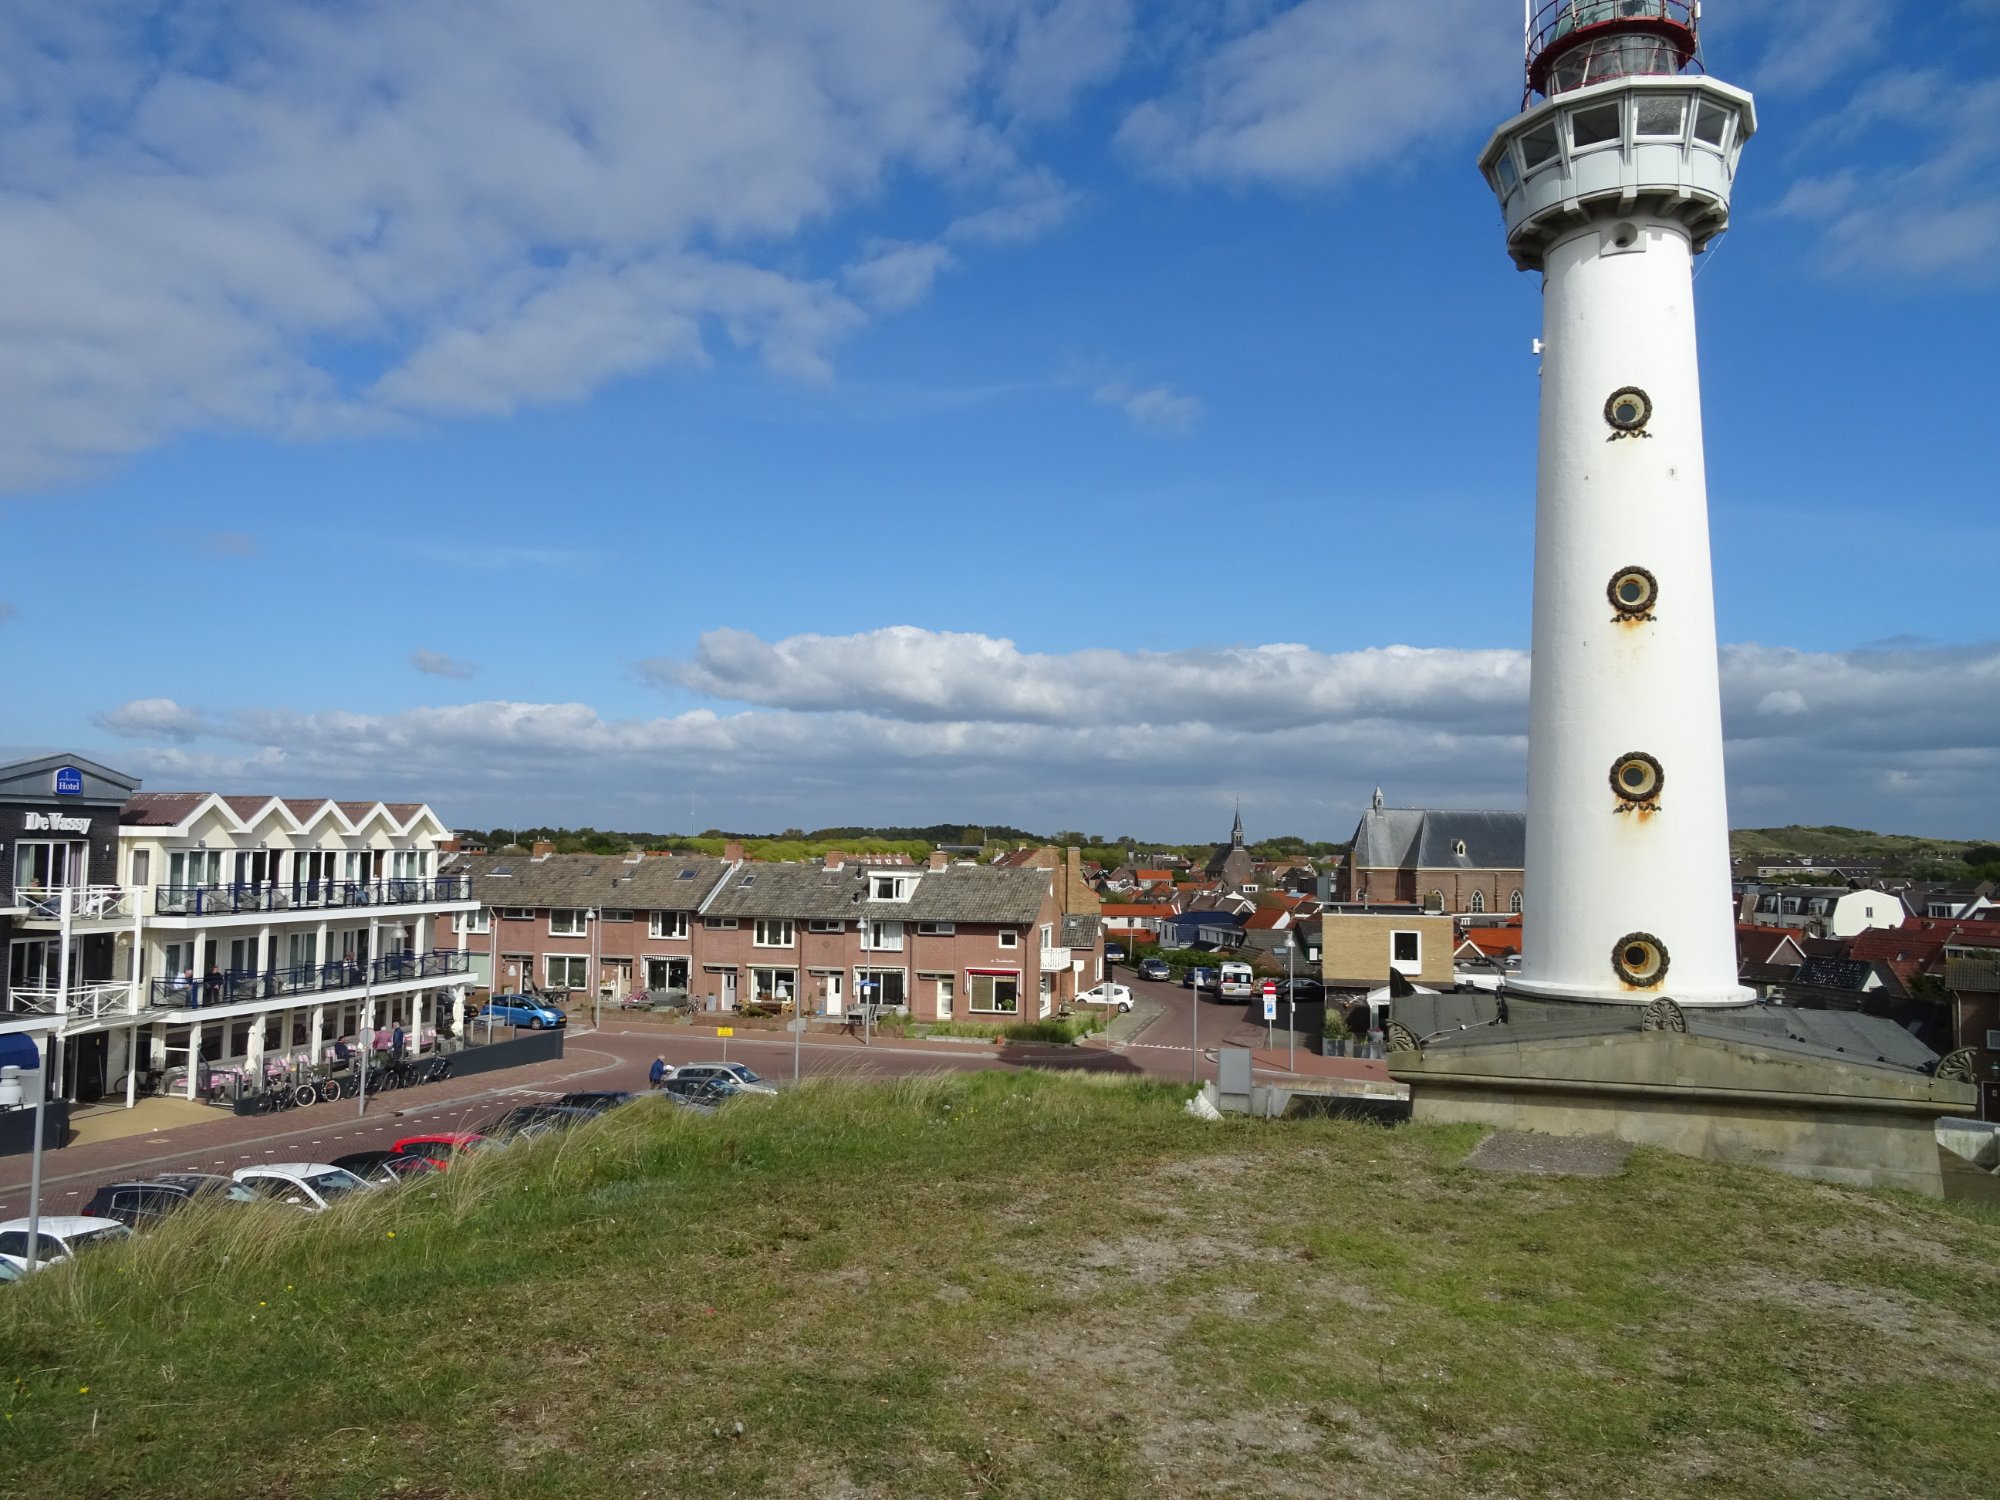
(1157, 407)
(1329, 87)
(306, 220)
(1061, 47)
(896, 276)
(909, 724)
(437, 664)
(1923, 201)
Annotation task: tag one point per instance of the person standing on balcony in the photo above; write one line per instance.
(211, 987)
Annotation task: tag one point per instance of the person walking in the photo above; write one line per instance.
(396, 1040)
(658, 1072)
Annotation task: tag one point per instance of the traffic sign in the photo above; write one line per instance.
(725, 1031)
(1270, 988)
(1270, 999)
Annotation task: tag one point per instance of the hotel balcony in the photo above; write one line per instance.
(47, 906)
(86, 1001)
(306, 981)
(248, 899)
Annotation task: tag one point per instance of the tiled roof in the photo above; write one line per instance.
(576, 881)
(957, 893)
(159, 809)
(1137, 909)
(1079, 931)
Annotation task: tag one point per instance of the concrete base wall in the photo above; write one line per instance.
(1858, 1149)
(1721, 1099)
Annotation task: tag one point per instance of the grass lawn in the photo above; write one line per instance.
(1021, 1285)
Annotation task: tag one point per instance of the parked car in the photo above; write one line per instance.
(744, 1081)
(385, 1167)
(1302, 989)
(1155, 968)
(314, 1186)
(61, 1236)
(1235, 980)
(526, 1121)
(1114, 953)
(520, 1010)
(441, 1147)
(1198, 979)
(597, 1101)
(708, 1092)
(140, 1203)
(1117, 996)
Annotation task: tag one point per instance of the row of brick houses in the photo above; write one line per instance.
(947, 941)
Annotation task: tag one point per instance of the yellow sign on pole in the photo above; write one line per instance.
(725, 1031)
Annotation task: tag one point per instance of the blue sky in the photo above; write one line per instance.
(1058, 412)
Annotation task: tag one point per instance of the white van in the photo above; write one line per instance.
(1238, 983)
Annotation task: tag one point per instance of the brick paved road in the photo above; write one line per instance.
(616, 1057)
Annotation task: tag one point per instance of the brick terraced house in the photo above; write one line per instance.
(943, 942)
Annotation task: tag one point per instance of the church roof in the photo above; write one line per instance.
(1419, 838)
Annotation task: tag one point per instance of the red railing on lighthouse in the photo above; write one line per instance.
(1572, 44)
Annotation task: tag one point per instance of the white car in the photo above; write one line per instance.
(62, 1235)
(1117, 996)
(314, 1186)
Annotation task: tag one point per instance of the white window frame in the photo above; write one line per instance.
(936, 929)
(1048, 935)
(549, 961)
(787, 975)
(1007, 937)
(615, 914)
(1406, 965)
(825, 924)
(667, 924)
(774, 932)
(719, 924)
(517, 914)
(879, 935)
(891, 887)
(579, 914)
(473, 921)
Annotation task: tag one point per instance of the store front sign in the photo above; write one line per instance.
(69, 781)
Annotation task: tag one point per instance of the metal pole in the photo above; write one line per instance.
(1291, 1005)
(1194, 1031)
(35, 1164)
(798, 1029)
(367, 1020)
(596, 978)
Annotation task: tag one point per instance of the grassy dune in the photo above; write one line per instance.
(1022, 1285)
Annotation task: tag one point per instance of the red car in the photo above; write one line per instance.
(440, 1149)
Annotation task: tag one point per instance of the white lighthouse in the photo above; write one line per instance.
(1614, 176)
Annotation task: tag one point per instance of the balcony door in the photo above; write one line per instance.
(48, 864)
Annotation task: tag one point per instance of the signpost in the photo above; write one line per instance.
(725, 1032)
(1270, 1009)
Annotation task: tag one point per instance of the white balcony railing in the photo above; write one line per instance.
(84, 1000)
(1055, 960)
(84, 903)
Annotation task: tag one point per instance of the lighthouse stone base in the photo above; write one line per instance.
(1824, 1094)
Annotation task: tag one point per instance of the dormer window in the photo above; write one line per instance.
(891, 887)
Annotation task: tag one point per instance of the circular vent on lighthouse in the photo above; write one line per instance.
(1633, 593)
(1628, 409)
(1640, 959)
(1637, 777)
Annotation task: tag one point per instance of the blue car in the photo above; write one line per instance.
(520, 1010)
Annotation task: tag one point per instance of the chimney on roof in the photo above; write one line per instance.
(733, 851)
(543, 848)
(834, 860)
(939, 859)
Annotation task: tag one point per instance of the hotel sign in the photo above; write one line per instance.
(69, 781)
(40, 822)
